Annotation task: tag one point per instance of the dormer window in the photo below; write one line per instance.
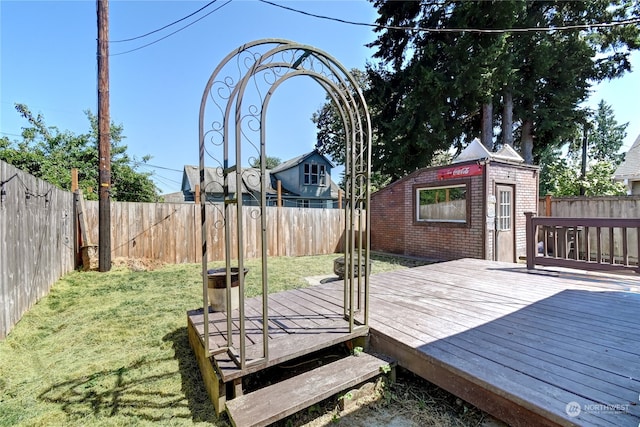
(315, 174)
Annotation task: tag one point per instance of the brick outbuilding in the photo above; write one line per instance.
(471, 209)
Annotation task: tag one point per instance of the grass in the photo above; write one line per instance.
(111, 349)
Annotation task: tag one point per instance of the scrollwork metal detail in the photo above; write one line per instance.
(232, 123)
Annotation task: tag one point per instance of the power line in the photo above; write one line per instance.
(460, 30)
(170, 34)
(158, 167)
(166, 26)
(166, 181)
(10, 134)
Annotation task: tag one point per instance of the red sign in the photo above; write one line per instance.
(460, 171)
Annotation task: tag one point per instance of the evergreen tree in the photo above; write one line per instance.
(562, 175)
(607, 136)
(433, 89)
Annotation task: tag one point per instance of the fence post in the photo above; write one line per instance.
(531, 241)
(279, 191)
(77, 242)
(547, 205)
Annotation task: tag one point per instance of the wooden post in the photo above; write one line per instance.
(77, 241)
(279, 190)
(547, 205)
(104, 138)
(74, 180)
(531, 241)
(339, 199)
(196, 194)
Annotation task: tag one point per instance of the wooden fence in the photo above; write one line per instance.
(38, 236)
(171, 232)
(36, 241)
(610, 239)
(583, 243)
(590, 207)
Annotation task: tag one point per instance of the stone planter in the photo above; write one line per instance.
(338, 267)
(217, 288)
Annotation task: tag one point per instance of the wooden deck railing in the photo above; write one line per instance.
(583, 243)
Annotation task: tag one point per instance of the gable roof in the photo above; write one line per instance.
(630, 167)
(214, 180)
(297, 160)
(476, 151)
(507, 153)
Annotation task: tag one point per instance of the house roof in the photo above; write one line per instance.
(297, 160)
(214, 180)
(476, 151)
(630, 168)
(507, 153)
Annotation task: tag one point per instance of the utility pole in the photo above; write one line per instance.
(104, 139)
(583, 169)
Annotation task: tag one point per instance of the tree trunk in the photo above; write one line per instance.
(487, 125)
(507, 117)
(527, 141)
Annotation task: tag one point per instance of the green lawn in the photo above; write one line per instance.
(111, 349)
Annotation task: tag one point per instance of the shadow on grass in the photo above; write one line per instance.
(144, 390)
(193, 387)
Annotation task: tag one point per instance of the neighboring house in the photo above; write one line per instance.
(629, 170)
(305, 181)
(177, 197)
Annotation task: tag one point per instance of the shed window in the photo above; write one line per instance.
(504, 220)
(314, 174)
(442, 204)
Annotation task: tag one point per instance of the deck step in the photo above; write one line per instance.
(273, 403)
(288, 347)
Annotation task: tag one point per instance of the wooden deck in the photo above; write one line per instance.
(298, 325)
(532, 348)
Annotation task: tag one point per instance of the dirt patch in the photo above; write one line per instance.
(409, 402)
(137, 264)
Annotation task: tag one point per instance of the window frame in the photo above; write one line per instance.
(439, 222)
(320, 174)
(504, 222)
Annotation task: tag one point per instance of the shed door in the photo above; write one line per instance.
(504, 228)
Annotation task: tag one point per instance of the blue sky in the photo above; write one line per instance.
(48, 61)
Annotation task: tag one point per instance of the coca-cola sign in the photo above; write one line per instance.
(460, 172)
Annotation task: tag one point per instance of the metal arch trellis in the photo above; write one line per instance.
(238, 93)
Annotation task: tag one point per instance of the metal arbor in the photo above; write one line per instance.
(232, 132)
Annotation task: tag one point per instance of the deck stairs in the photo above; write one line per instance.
(267, 405)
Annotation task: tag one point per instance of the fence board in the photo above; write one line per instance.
(36, 241)
(170, 232)
(601, 207)
(38, 236)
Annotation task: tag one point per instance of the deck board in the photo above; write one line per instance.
(543, 340)
(519, 344)
(567, 335)
(272, 403)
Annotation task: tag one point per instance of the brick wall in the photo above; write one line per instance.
(524, 180)
(394, 229)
